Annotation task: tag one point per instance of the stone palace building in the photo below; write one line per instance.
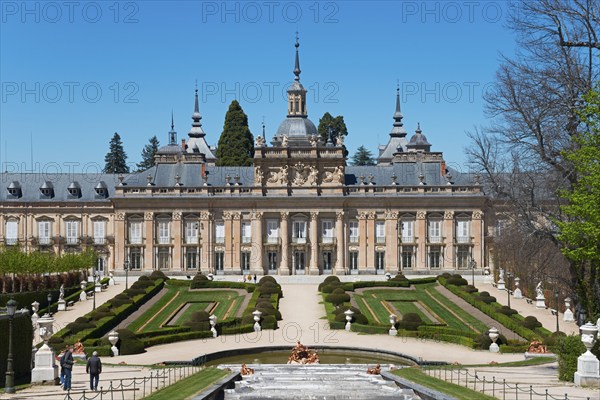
(300, 209)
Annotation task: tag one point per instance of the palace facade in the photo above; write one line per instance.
(300, 209)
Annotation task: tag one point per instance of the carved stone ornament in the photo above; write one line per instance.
(120, 216)
(339, 215)
(256, 215)
(237, 216)
(421, 214)
(177, 216)
(449, 215)
(477, 215)
(258, 175)
(148, 216)
(204, 215)
(300, 174)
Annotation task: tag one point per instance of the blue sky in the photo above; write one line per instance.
(72, 75)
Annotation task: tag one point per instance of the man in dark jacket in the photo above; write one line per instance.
(67, 364)
(94, 368)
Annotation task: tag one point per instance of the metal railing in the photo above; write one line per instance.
(136, 388)
(495, 388)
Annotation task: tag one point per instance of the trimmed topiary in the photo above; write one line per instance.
(337, 299)
(129, 343)
(158, 274)
(199, 281)
(470, 289)
(331, 279)
(410, 322)
(531, 322)
(338, 291)
(507, 311)
(457, 281)
(267, 279)
(198, 321)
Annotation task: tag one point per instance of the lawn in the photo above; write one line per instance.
(417, 376)
(432, 306)
(188, 387)
(224, 303)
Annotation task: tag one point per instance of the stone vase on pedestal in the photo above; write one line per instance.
(487, 277)
(493, 334)
(213, 321)
(568, 315)
(111, 280)
(393, 331)
(62, 305)
(35, 306)
(517, 293)
(83, 295)
(257, 315)
(501, 284)
(349, 313)
(588, 366)
(113, 338)
(45, 369)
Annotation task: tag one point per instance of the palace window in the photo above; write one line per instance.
(44, 232)
(246, 261)
(462, 231)
(380, 231)
(327, 231)
(434, 230)
(408, 231)
(246, 232)
(163, 258)
(191, 232)
(326, 261)
(272, 260)
(135, 232)
(191, 258)
(99, 232)
(219, 261)
(135, 258)
(299, 232)
(380, 260)
(72, 228)
(219, 232)
(353, 227)
(463, 256)
(272, 231)
(354, 260)
(435, 257)
(407, 257)
(164, 232)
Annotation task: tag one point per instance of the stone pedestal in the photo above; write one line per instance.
(113, 338)
(98, 287)
(540, 302)
(62, 305)
(82, 296)
(568, 316)
(111, 280)
(501, 284)
(45, 369)
(487, 278)
(588, 370)
(517, 294)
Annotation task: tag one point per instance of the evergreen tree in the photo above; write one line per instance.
(236, 144)
(363, 157)
(148, 154)
(115, 161)
(336, 125)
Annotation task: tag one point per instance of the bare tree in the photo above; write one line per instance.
(534, 112)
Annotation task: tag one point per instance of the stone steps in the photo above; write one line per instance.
(314, 382)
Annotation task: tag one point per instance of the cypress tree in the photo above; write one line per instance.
(336, 126)
(148, 153)
(115, 161)
(236, 144)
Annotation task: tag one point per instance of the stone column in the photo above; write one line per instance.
(370, 265)
(340, 265)
(391, 242)
(149, 241)
(284, 268)
(227, 257)
(314, 244)
(236, 241)
(177, 241)
(478, 239)
(120, 242)
(362, 245)
(421, 235)
(256, 262)
(449, 249)
(205, 243)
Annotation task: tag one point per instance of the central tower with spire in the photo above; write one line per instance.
(397, 142)
(296, 127)
(196, 142)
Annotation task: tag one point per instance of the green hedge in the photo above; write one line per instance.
(369, 328)
(22, 339)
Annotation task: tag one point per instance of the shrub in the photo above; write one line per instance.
(332, 283)
(200, 281)
(269, 289)
(446, 275)
(101, 313)
(267, 279)
(486, 299)
(265, 304)
(470, 289)
(337, 299)
(76, 327)
(331, 287)
(483, 341)
(157, 274)
(507, 311)
(338, 291)
(531, 322)
(142, 284)
(457, 281)
(568, 349)
(198, 321)
(144, 278)
(132, 292)
(554, 338)
(129, 343)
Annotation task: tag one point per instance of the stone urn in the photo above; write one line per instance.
(393, 331)
(493, 334)
(83, 295)
(113, 338)
(568, 315)
(349, 313)
(517, 293)
(213, 321)
(35, 307)
(257, 315)
(111, 279)
(487, 276)
(588, 366)
(45, 369)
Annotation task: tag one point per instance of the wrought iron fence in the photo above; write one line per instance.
(495, 388)
(136, 388)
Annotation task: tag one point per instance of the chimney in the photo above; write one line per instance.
(203, 169)
(443, 171)
(183, 145)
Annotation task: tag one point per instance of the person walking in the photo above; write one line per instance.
(94, 368)
(62, 366)
(67, 363)
(254, 278)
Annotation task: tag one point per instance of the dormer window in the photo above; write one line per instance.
(74, 189)
(14, 189)
(47, 189)
(101, 189)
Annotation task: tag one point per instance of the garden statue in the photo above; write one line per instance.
(539, 291)
(284, 141)
(540, 300)
(259, 142)
(246, 370)
(376, 370)
(61, 296)
(302, 355)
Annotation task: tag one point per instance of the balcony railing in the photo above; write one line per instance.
(100, 241)
(11, 241)
(463, 239)
(191, 240)
(272, 239)
(135, 240)
(44, 240)
(380, 239)
(327, 240)
(435, 239)
(354, 239)
(246, 239)
(219, 240)
(408, 239)
(72, 240)
(298, 240)
(164, 240)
